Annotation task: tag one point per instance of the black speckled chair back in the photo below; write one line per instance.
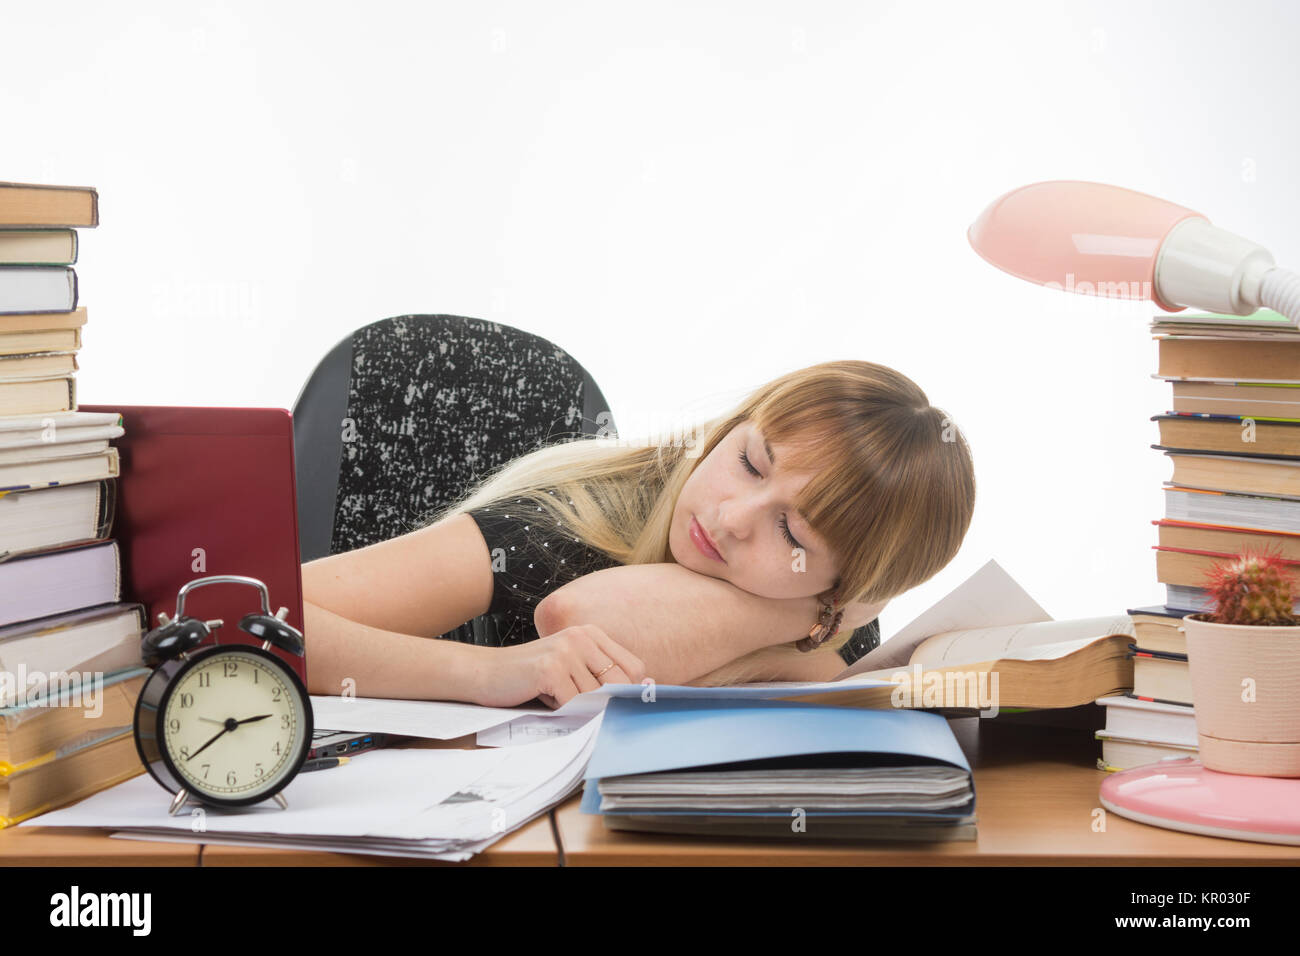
(407, 413)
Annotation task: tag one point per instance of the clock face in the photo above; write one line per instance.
(234, 725)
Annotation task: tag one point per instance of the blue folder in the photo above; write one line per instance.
(639, 736)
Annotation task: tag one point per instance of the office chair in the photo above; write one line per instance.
(405, 414)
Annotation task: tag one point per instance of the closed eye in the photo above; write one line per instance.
(784, 525)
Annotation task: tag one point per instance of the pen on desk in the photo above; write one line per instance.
(323, 763)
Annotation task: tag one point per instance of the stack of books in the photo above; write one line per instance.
(70, 667)
(1232, 435)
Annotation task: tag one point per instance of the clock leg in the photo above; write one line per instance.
(178, 801)
(284, 804)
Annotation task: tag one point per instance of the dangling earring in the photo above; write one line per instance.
(828, 623)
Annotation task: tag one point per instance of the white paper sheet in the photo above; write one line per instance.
(438, 804)
(530, 730)
(436, 719)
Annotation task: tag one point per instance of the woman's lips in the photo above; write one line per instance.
(702, 541)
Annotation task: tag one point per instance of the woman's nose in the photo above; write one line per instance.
(733, 520)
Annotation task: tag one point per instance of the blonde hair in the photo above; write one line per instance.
(892, 488)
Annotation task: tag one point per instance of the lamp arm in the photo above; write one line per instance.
(1206, 267)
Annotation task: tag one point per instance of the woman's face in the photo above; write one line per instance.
(763, 544)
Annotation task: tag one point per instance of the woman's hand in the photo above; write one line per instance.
(556, 668)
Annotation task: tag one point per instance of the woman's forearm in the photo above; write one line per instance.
(681, 624)
(346, 657)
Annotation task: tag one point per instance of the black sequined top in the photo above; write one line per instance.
(531, 557)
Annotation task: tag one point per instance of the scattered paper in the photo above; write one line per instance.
(436, 719)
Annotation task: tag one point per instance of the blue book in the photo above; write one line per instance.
(778, 768)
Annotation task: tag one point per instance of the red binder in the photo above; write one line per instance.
(206, 491)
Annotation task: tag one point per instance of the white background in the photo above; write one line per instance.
(690, 198)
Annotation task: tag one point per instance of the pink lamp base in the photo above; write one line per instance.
(1181, 794)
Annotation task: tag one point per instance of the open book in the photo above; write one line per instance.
(986, 645)
(1042, 664)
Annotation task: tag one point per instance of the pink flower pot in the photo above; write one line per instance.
(1246, 694)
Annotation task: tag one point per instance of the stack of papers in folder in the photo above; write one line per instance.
(778, 768)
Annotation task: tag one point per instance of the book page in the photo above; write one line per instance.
(1021, 642)
(988, 598)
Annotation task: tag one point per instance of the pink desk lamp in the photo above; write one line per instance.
(1106, 240)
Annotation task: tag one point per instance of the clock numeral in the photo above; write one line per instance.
(275, 694)
(230, 778)
(174, 725)
(205, 679)
(259, 768)
(286, 721)
(187, 700)
(185, 752)
(276, 748)
(205, 770)
(228, 668)
(255, 675)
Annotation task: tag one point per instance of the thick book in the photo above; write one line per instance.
(1256, 512)
(1259, 400)
(31, 733)
(97, 760)
(1132, 718)
(40, 205)
(1191, 568)
(38, 247)
(1225, 539)
(1237, 473)
(29, 365)
(1228, 435)
(59, 471)
(22, 431)
(34, 289)
(1240, 359)
(35, 396)
(43, 518)
(33, 322)
(36, 453)
(52, 583)
(775, 767)
(1161, 676)
(1042, 664)
(78, 644)
(40, 340)
(1120, 753)
(1159, 628)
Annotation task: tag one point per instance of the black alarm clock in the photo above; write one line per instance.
(229, 725)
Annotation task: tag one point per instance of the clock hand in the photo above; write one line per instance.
(220, 733)
(229, 726)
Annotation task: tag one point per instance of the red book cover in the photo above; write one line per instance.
(206, 491)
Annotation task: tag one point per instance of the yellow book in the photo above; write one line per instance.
(95, 761)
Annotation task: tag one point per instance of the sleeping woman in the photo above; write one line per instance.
(761, 550)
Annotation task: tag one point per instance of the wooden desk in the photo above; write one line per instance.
(531, 845)
(1035, 804)
(87, 846)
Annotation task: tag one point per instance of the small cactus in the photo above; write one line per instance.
(1256, 588)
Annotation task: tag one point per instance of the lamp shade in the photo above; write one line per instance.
(1085, 237)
